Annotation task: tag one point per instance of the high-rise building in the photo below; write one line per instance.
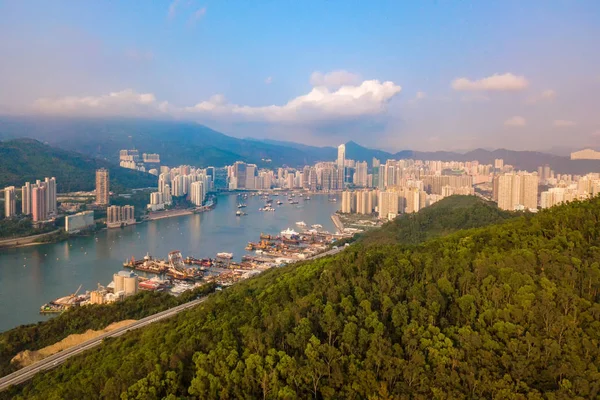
(113, 214)
(50, 195)
(348, 202)
(250, 176)
(312, 179)
(364, 202)
(498, 163)
(117, 216)
(10, 202)
(102, 187)
(26, 199)
(239, 172)
(197, 193)
(516, 191)
(341, 159)
(388, 205)
(38, 203)
(360, 174)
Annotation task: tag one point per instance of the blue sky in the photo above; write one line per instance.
(388, 69)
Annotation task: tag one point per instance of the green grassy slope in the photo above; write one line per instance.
(25, 160)
(510, 310)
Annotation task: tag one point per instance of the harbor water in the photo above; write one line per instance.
(33, 275)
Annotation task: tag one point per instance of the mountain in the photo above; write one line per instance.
(509, 310)
(25, 160)
(522, 160)
(180, 142)
(177, 142)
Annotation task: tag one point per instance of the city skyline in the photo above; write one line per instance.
(531, 87)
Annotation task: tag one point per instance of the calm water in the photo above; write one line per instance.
(31, 276)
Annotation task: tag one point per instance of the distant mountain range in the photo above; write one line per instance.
(25, 160)
(191, 143)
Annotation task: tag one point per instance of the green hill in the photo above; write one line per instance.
(25, 160)
(507, 311)
(446, 216)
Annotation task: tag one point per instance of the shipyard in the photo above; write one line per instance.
(176, 274)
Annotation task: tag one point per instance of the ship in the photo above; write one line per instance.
(307, 198)
(294, 202)
(238, 213)
(279, 202)
(226, 256)
(301, 224)
(178, 270)
(241, 205)
(317, 226)
(146, 264)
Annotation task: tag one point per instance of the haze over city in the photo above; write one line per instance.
(452, 76)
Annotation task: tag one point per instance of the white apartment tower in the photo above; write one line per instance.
(341, 159)
(10, 202)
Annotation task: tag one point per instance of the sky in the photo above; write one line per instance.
(435, 75)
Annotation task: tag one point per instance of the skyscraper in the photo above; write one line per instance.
(360, 176)
(50, 184)
(102, 187)
(341, 160)
(239, 172)
(10, 202)
(26, 199)
(388, 205)
(348, 202)
(518, 191)
(38, 203)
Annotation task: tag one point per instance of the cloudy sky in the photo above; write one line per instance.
(387, 74)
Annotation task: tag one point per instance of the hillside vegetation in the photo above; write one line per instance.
(446, 216)
(25, 160)
(507, 311)
(78, 320)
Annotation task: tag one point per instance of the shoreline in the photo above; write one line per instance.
(25, 240)
(338, 223)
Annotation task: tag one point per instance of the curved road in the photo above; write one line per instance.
(55, 360)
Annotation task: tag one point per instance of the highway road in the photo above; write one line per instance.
(57, 359)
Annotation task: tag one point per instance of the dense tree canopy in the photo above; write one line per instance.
(446, 216)
(508, 311)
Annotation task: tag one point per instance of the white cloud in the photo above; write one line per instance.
(368, 98)
(496, 82)
(198, 15)
(172, 9)
(126, 101)
(321, 104)
(420, 95)
(563, 123)
(515, 121)
(334, 79)
(546, 95)
(269, 80)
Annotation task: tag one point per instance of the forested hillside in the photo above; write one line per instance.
(25, 160)
(508, 311)
(446, 216)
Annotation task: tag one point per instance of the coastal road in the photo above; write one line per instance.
(55, 360)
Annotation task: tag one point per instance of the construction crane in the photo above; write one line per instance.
(78, 289)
